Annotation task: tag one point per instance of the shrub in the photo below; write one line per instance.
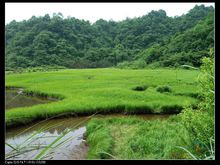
(124, 65)
(138, 64)
(200, 122)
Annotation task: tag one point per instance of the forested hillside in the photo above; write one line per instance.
(151, 40)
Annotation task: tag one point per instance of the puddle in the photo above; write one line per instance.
(17, 98)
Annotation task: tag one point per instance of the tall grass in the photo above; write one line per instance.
(133, 138)
(208, 156)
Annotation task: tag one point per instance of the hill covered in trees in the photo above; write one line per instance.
(151, 40)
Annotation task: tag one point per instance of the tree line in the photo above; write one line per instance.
(151, 40)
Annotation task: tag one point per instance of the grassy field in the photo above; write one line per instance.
(86, 91)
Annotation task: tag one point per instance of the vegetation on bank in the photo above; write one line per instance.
(201, 123)
(132, 138)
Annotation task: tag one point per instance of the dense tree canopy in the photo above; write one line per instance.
(187, 47)
(153, 39)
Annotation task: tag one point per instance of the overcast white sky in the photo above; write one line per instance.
(93, 11)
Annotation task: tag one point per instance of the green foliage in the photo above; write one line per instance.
(74, 43)
(185, 48)
(124, 65)
(200, 123)
(137, 64)
(206, 81)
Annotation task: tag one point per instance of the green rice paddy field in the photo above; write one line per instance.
(86, 91)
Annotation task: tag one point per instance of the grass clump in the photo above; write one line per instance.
(140, 88)
(100, 141)
(163, 89)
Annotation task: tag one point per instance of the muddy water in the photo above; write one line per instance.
(74, 148)
(33, 138)
(16, 98)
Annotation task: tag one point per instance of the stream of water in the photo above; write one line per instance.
(33, 138)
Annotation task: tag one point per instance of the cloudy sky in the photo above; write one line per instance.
(94, 11)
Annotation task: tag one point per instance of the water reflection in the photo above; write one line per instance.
(58, 151)
(17, 98)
